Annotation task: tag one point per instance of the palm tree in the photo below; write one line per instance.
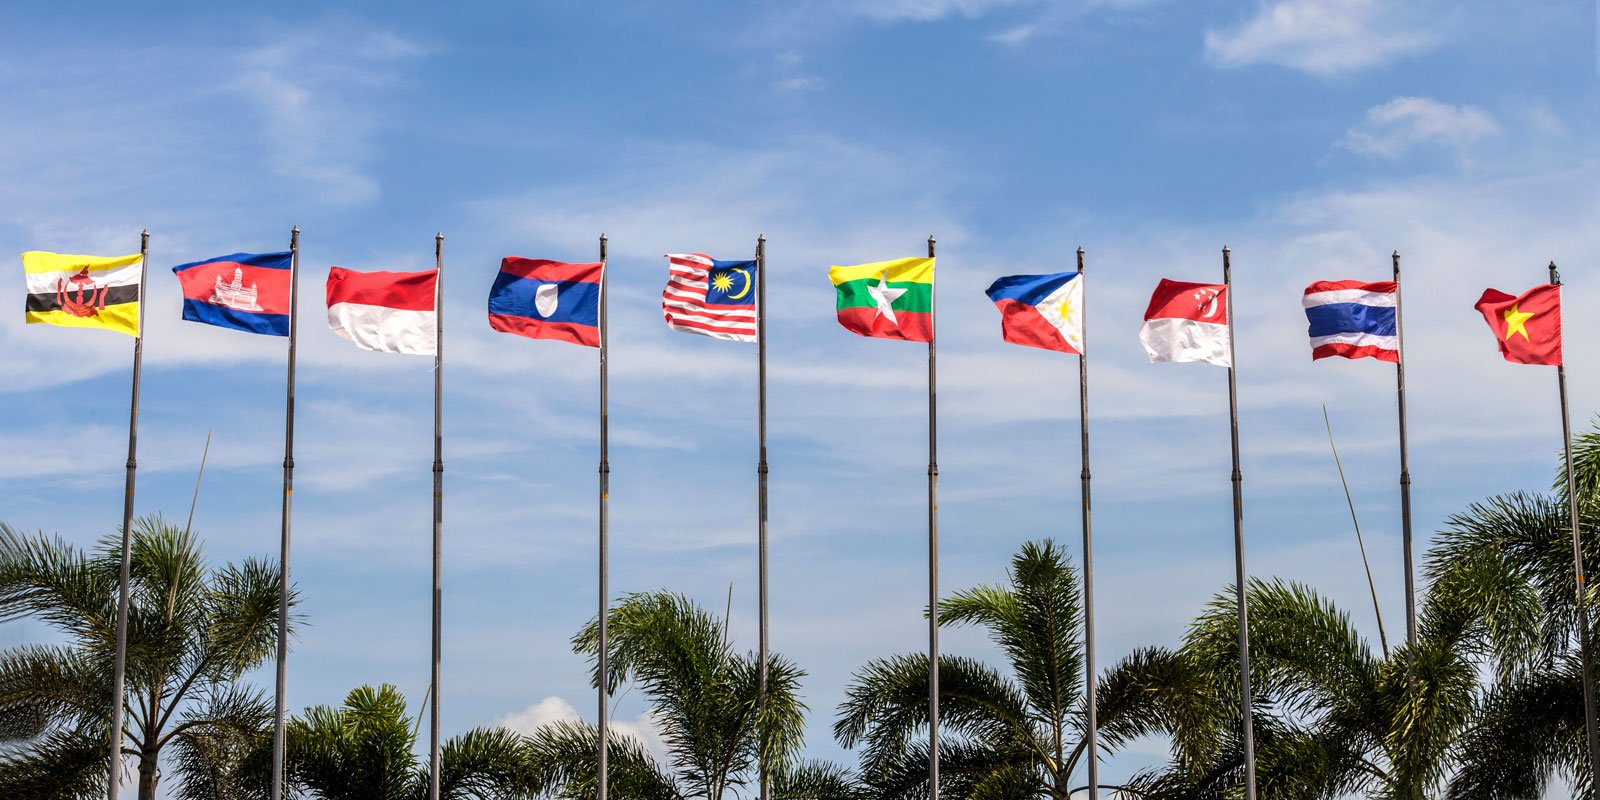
(706, 702)
(193, 630)
(1514, 552)
(362, 751)
(1019, 737)
(1332, 717)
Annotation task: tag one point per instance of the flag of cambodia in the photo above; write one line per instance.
(1527, 328)
(241, 291)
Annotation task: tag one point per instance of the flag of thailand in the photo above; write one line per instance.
(1044, 311)
(241, 291)
(1188, 322)
(1353, 319)
(547, 300)
(392, 312)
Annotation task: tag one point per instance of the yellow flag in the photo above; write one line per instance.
(84, 291)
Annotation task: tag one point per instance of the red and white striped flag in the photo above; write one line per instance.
(710, 297)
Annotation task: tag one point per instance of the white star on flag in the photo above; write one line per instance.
(885, 297)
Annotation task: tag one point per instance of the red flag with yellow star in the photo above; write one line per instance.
(1528, 328)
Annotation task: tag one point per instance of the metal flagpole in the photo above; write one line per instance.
(114, 756)
(761, 486)
(1405, 471)
(605, 496)
(1584, 665)
(1088, 554)
(1238, 547)
(438, 504)
(933, 540)
(288, 496)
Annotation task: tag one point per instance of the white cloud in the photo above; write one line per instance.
(313, 91)
(642, 728)
(1323, 37)
(1395, 127)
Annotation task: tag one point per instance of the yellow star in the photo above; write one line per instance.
(721, 281)
(1066, 309)
(1514, 322)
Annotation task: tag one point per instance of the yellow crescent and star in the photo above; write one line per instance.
(722, 281)
(1516, 321)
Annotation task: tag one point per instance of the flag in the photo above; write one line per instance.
(1527, 328)
(1352, 319)
(242, 291)
(392, 312)
(84, 291)
(887, 299)
(547, 300)
(1044, 311)
(1188, 322)
(709, 297)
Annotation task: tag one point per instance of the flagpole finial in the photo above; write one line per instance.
(296, 229)
(761, 237)
(1080, 249)
(1397, 254)
(439, 236)
(1225, 250)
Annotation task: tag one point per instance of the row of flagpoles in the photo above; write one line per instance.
(401, 312)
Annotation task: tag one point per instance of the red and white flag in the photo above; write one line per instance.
(391, 312)
(1188, 322)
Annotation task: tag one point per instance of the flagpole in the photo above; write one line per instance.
(278, 744)
(933, 540)
(438, 505)
(605, 496)
(1238, 547)
(1405, 471)
(1088, 550)
(761, 487)
(114, 757)
(1577, 562)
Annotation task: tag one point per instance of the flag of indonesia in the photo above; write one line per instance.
(392, 312)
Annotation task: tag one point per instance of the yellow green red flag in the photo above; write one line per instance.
(887, 299)
(84, 291)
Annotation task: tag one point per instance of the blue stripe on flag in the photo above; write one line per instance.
(576, 301)
(225, 317)
(264, 260)
(1350, 318)
(1028, 289)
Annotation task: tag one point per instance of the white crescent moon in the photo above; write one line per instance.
(545, 299)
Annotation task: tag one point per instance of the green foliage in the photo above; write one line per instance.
(1007, 738)
(706, 701)
(363, 750)
(193, 630)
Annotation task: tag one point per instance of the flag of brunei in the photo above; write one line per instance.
(887, 299)
(84, 291)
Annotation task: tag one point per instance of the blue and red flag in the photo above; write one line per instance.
(547, 300)
(1352, 319)
(1044, 311)
(243, 291)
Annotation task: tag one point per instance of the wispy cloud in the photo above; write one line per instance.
(1322, 37)
(1394, 128)
(314, 93)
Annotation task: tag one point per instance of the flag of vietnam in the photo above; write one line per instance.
(1528, 328)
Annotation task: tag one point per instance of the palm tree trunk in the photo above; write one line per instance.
(148, 775)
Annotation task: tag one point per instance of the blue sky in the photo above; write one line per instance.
(1313, 137)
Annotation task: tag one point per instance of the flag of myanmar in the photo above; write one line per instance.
(887, 299)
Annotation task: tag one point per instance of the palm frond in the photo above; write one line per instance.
(561, 764)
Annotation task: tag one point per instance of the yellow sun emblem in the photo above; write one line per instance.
(722, 281)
